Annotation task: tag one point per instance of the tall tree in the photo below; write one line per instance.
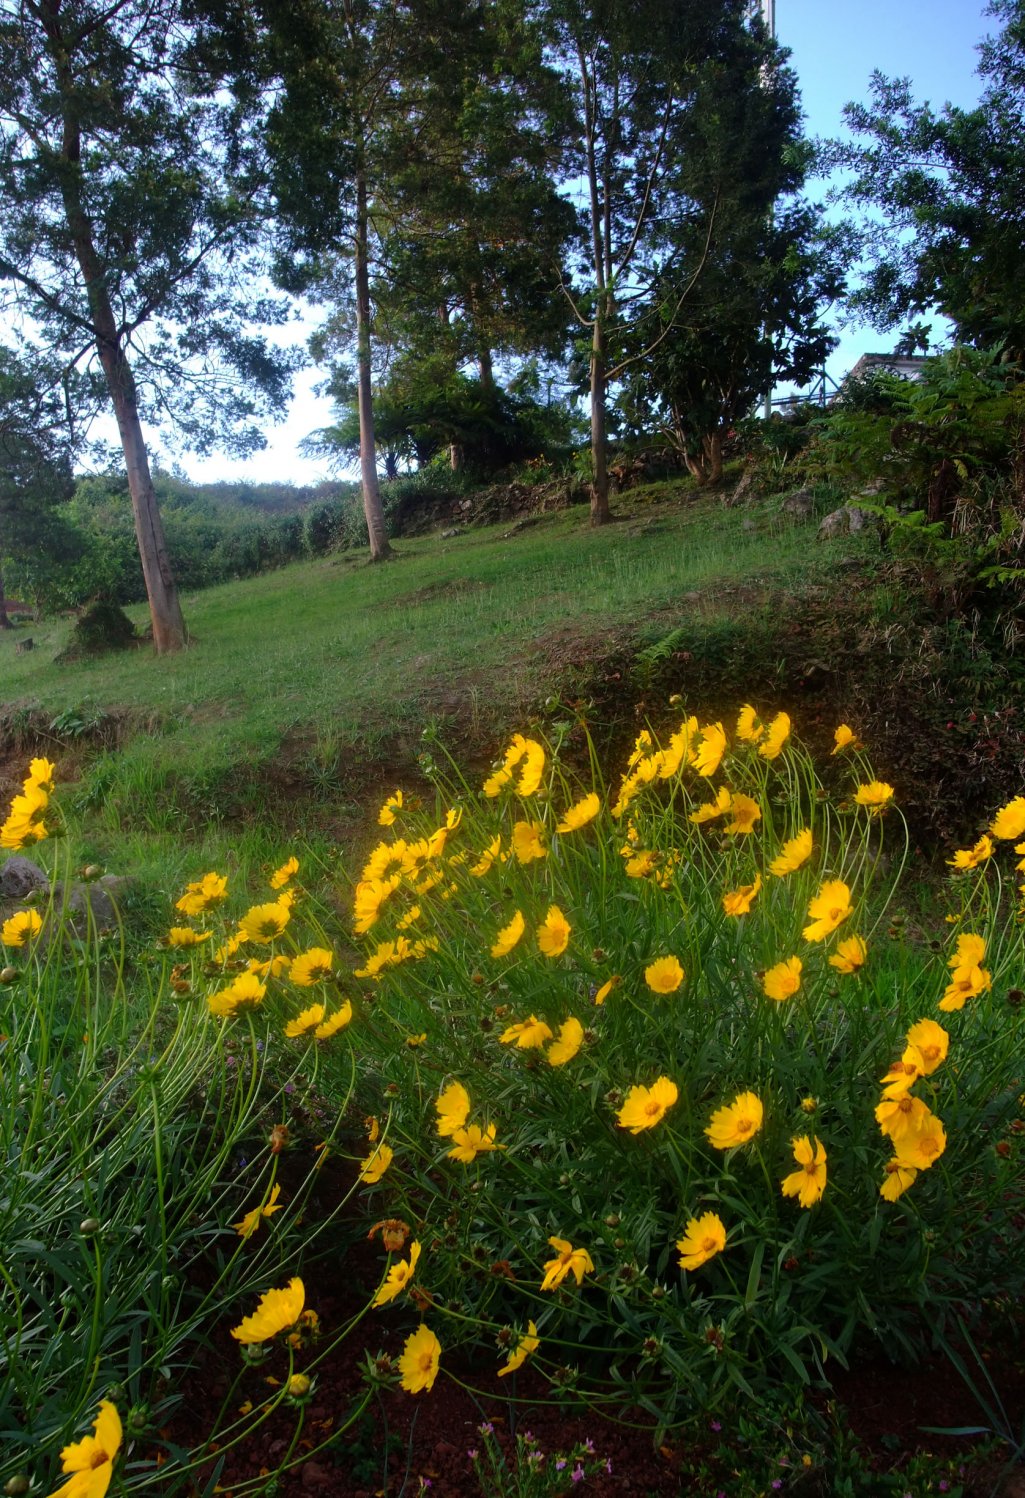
(944, 194)
(131, 212)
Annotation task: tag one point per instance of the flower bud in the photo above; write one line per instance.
(8, 975)
(299, 1386)
(14, 1486)
(88, 1226)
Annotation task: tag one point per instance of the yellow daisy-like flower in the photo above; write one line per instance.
(966, 983)
(783, 981)
(471, 1141)
(394, 804)
(932, 1043)
(1009, 821)
(703, 1238)
(420, 1360)
(875, 795)
(377, 1162)
(809, 1182)
(903, 1074)
(307, 1020)
(509, 936)
(41, 773)
(901, 1115)
(529, 1034)
(710, 750)
(828, 909)
(553, 933)
(776, 736)
(664, 975)
(969, 952)
(21, 927)
(794, 852)
(646, 1106)
(453, 1109)
(203, 894)
(526, 1345)
(244, 992)
(416, 1041)
(642, 863)
(850, 955)
(184, 936)
(749, 726)
(265, 923)
(398, 1277)
(746, 812)
(285, 874)
(713, 809)
(487, 858)
(251, 1221)
(608, 986)
(922, 1146)
(899, 1177)
(970, 858)
(844, 737)
(334, 1022)
(739, 901)
(311, 967)
(270, 967)
(571, 1038)
(90, 1461)
(528, 841)
(679, 750)
(737, 1123)
(568, 1260)
(525, 752)
(580, 813)
(277, 1311)
(370, 895)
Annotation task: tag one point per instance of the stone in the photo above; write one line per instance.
(856, 519)
(90, 905)
(19, 876)
(451, 533)
(838, 523)
(800, 504)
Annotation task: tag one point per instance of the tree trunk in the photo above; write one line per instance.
(600, 514)
(713, 457)
(372, 508)
(487, 371)
(455, 457)
(600, 253)
(5, 623)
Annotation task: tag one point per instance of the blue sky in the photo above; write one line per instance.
(835, 47)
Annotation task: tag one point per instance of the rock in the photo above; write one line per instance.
(838, 523)
(749, 524)
(90, 905)
(856, 519)
(466, 504)
(19, 877)
(743, 492)
(314, 1477)
(453, 531)
(800, 504)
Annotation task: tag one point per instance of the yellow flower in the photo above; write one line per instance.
(639, 865)
(184, 936)
(794, 852)
(830, 907)
(607, 987)
(41, 773)
(646, 1106)
(969, 952)
(203, 894)
(664, 975)
(712, 809)
(526, 1345)
(334, 1022)
(703, 1238)
(265, 923)
(453, 1107)
(922, 1146)
(472, 1141)
(1009, 821)
(528, 841)
(970, 858)
(710, 750)
(736, 1123)
(874, 795)
(21, 927)
(277, 1311)
(903, 1074)
(398, 1277)
(808, 1183)
(850, 955)
(553, 933)
(285, 874)
(385, 858)
(369, 897)
(679, 750)
(523, 751)
(309, 1019)
(529, 1034)
(776, 736)
(487, 858)
(508, 936)
(580, 813)
(91, 1460)
(898, 1178)
(376, 1163)
(901, 1115)
(739, 901)
(420, 1360)
(932, 1042)
(410, 918)
(844, 737)
(393, 805)
(746, 813)
(242, 993)
(271, 967)
(571, 1038)
(311, 967)
(385, 954)
(251, 1221)
(568, 1260)
(749, 726)
(415, 1041)
(783, 981)
(966, 983)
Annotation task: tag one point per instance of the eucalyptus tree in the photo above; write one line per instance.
(132, 210)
